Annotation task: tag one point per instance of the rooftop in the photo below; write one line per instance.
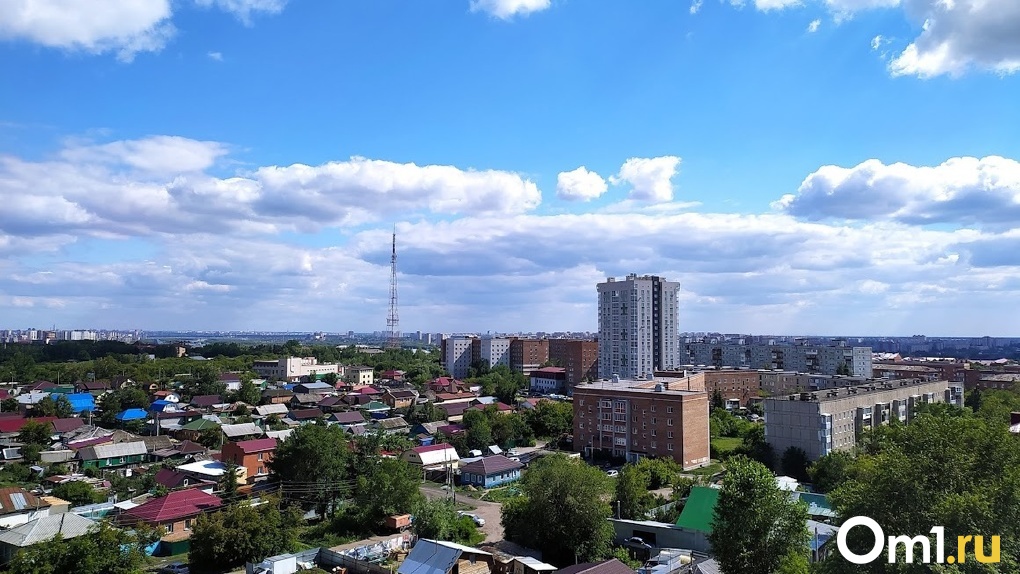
(874, 386)
(659, 385)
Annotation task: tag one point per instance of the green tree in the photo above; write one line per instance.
(249, 393)
(36, 433)
(438, 520)
(563, 512)
(62, 408)
(228, 484)
(830, 471)
(242, 533)
(390, 487)
(632, 496)
(210, 437)
(76, 492)
(9, 405)
(105, 550)
(718, 401)
(312, 465)
(550, 419)
(756, 525)
(795, 463)
(46, 407)
(756, 448)
(110, 406)
(477, 428)
(330, 379)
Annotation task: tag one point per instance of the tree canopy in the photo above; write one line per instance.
(106, 550)
(757, 527)
(563, 511)
(312, 465)
(242, 533)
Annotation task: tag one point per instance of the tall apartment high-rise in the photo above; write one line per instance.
(638, 326)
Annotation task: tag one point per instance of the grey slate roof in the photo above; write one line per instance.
(68, 524)
(242, 429)
(491, 465)
(707, 567)
(117, 450)
(273, 409)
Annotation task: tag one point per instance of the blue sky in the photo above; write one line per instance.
(812, 166)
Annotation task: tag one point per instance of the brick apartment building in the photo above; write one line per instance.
(580, 359)
(526, 355)
(829, 420)
(739, 387)
(657, 417)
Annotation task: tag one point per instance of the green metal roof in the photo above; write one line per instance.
(699, 510)
(200, 424)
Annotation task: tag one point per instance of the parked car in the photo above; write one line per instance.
(175, 568)
(637, 541)
(478, 520)
(612, 473)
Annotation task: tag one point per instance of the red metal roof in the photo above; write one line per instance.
(14, 424)
(174, 506)
(256, 445)
(431, 447)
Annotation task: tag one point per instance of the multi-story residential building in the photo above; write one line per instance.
(638, 326)
(526, 355)
(579, 357)
(457, 355)
(294, 369)
(359, 375)
(829, 360)
(254, 455)
(900, 371)
(783, 382)
(737, 387)
(495, 351)
(657, 417)
(825, 421)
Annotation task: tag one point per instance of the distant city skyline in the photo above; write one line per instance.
(841, 167)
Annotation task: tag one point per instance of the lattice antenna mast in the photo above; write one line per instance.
(393, 320)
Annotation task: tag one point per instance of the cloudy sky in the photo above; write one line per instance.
(801, 166)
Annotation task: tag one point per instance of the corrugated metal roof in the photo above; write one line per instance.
(434, 557)
(113, 450)
(68, 525)
(242, 430)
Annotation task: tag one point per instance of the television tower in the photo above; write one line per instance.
(393, 320)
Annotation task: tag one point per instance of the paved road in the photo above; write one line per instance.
(490, 512)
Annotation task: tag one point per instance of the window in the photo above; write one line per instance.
(669, 446)
(653, 408)
(669, 410)
(187, 524)
(669, 434)
(669, 422)
(653, 432)
(260, 456)
(653, 420)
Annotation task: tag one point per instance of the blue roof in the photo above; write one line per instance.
(131, 415)
(820, 533)
(159, 406)
(81, 402)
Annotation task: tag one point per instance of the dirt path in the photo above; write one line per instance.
(490, 512)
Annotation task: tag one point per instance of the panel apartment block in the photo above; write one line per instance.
(802, 358)
(654, 417)
(495, 351)
(579, 357)
(457, 355)
(825, 421)
(638, 326)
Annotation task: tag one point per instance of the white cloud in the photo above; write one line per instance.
(244, 9)
(766, 5)
(963, 190)
(217, 56)
(156, 154)
(580, 184)
(813, 26)
(507, 9)
(695, 6)
(650, 178)
(122, 26)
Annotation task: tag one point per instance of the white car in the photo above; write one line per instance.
(612, 473)
(479, 521)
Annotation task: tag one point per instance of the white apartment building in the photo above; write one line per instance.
(457, 356)
(826, 360)
(496, 352)
(638, 326)
(294, 369)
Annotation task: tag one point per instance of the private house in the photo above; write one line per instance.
(280, 410)
(184, 450)
(276, 396)
(315, 388)
(393, 375)
(81, 402)
(435, 456)
(19, 506)
(242, 431)
(441, 557)
(395, 425)
(65, 426)
(445, 385)
(501, 408)
(174, 479)
(206, 402)
(168, 396)
(454, 411)
(176, 513)
(253, 455)
(376, 409)
(359, 375)
(193, 430)
(304, 400)
(399, 399)
(129, 415)
(94, 388)
(302, 416)
(611, 566)
(346, 419)
(331, 404)
(113, 455)
(67, 525)
(490, 471)
(357, 399)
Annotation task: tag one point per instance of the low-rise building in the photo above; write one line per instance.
(253, 455)
(490, 471)
(295, 369)
(399, 399)
(19, 506)
(67, 525)
(634, 418)
(359, 375)
(825, 421)
(436, 456)
(176, 512)
(113, 455)
(548, 380)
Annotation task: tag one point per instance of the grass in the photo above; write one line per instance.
(725, 444)
(707, 470)
(502, 495)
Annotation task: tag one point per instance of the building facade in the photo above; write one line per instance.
(579, 357)
(825, 421)
(548, 380)
(829, 360)
(638, 326)
(294, 369)
(654, 417)
(496, 352)
(457, 355)
(526, 355)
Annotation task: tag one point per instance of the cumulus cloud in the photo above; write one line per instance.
(963, 190)
(695, 6)
(507, 9)
(160, 185)
(813, 26)
(650, 179)
(580, 184)
(123, 27)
